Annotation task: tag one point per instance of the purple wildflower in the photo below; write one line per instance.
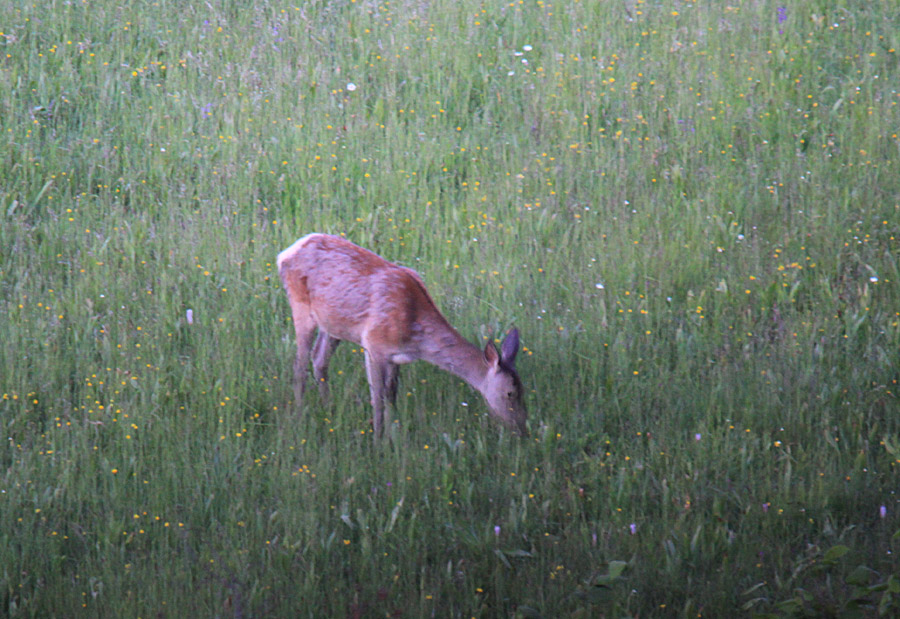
(782, 17)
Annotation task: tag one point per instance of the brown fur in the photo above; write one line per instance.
(349, 293)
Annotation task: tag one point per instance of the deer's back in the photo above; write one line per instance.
(353, 293)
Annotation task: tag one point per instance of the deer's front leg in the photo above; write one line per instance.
(377, 371)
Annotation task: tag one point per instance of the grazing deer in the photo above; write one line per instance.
(350, 293)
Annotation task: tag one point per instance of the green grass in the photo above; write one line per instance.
(689, 210)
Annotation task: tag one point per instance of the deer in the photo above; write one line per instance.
(348, 293)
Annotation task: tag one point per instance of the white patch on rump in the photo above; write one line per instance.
(293, 249)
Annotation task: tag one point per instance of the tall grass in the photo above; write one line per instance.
(690, 210)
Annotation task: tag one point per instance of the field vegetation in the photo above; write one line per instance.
(690, 210)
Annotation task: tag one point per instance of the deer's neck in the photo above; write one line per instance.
(451, 352)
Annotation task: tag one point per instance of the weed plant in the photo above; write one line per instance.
(690, 209)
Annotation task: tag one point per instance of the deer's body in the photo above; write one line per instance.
(349, 293)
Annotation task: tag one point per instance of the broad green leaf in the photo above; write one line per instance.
(834, 553)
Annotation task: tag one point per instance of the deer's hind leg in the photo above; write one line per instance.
(304, 327)
(324, 347)
(391, 380)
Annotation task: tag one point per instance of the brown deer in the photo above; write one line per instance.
(350, 293)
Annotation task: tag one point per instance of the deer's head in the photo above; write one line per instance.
(502, 387)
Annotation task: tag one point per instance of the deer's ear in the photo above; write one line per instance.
(490, 354)
(510, 347)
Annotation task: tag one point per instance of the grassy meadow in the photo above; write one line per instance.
(691, 211)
